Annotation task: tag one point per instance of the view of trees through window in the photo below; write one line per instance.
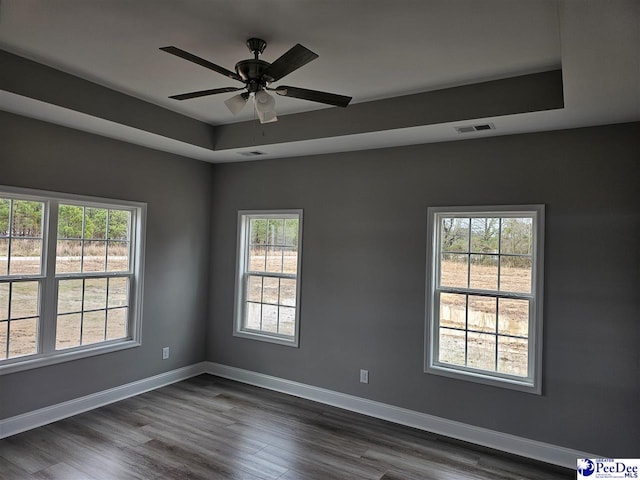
(91, 307)
(271, 277)
(268, 275)
(93, 257)
(92, 239)
(21, 242)
(484, 288)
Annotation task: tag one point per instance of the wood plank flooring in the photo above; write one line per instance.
(212, 428)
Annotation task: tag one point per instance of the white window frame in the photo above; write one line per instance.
(47, 302)
(532, 383)
(239, 330)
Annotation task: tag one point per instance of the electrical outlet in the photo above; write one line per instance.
(364, 376)
(165, 353)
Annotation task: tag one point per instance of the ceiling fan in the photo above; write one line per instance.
(257, 75)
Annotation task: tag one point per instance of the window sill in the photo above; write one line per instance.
(524, 385)
(37, 361)
(265, 337)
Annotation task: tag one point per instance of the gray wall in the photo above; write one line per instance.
(363, 270)
(363, 276)
(38, 155)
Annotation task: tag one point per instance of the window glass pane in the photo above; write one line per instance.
(257, 257)
(513, 317)
(254, 288)
(291, 232)
(258, 231)
(275, 231)
(254, 314)
(269, 318)
(482, 313)
(270, 290)
(454, 235)
(484, 235)
(117, 323)
(27, 219)
(4, 256)
(271, 248)
(68, 256)
(22, 337)
(481, 351)
(95, 254)
(290, 260)
(482, 287)
(118, 257)
(25, 256)
(95, 223)
(286, 325)
(4, 303)
(452, 345)
(515, 274)
(453, 310)
(68, 331)
(274, 259)
(484, 272)
(119, 221)
(118, 292)
(517, 236)
(513, 356)
(70, 222)
(288, 292)
(93, 327)
(24, 299)
(69, 296)
(5, 211)
(81, 306)
(454, 270)
(95, 293)
(3, 339)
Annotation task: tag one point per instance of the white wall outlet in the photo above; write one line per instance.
(165, 353)
(364, 376)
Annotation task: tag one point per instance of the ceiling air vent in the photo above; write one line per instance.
(475, 128)
(253, 153)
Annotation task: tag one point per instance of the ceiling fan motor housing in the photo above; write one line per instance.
(252, 72)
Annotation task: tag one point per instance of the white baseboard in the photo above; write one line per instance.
(564, 457)
(524, 447)
(44, 416)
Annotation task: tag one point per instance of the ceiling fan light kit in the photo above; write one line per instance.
(257, 75)
(236, 103)
(267, 117)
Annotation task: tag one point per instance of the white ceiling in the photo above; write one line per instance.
(368, 49)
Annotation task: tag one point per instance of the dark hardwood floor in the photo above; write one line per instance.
(211, 428)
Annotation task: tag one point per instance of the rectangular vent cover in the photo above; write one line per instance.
(253, 153)
(475, 128)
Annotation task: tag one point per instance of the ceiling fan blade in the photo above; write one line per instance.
(204, 93)
(236, 103)
(201, 61)
(314, 96)
(294, 58)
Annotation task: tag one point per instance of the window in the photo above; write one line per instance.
(70, 276)
(484, 294)
(268, 276)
